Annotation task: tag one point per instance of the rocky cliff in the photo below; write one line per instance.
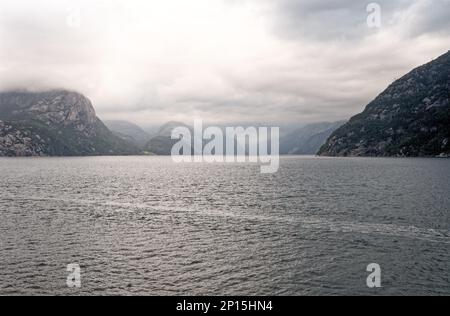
(411, 118)
(54, 123)
(20, 142)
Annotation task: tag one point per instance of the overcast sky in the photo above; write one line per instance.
(152, 61)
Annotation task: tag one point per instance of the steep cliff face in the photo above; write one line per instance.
(62, 108)
(15, 142)
(55, 123)
(410, 118)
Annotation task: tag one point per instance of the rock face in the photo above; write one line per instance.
(409, 119)
(15, 142)
(63, 108)
(54, 123)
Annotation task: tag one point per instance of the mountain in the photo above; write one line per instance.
(54, 123)
(308, 139)
(411, 118)
(162, 143)
(129, 132)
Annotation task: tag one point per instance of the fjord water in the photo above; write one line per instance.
(145, 225)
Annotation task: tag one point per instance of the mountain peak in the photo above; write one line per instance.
(167, 128)
(55, 123)
(410, 118)
(128, 131)
(56, 106)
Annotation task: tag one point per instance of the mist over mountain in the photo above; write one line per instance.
(55, 123)
(410, 118)
(162, 143)
(308, 139)
(129, 132)
(64, 123)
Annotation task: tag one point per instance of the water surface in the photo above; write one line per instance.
(147, 226)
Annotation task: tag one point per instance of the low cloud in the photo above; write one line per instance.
(249, 60)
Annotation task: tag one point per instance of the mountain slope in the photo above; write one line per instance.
(54, 123)
(162, 143)
(410, 118)
(307, 140)
(129, 132)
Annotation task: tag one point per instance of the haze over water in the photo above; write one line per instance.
(145, 225)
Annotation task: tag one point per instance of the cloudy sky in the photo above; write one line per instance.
(151, 61)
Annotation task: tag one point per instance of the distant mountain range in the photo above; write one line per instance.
(55, 123)
(308, 139)
(303, 141)
(411, 118)
(129, 132)
(162, 143)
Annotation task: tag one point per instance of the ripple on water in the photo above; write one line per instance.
(196, 229)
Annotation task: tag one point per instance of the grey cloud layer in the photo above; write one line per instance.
(243, 60)
(345, 19)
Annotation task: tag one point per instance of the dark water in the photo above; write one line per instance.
(143, 225)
